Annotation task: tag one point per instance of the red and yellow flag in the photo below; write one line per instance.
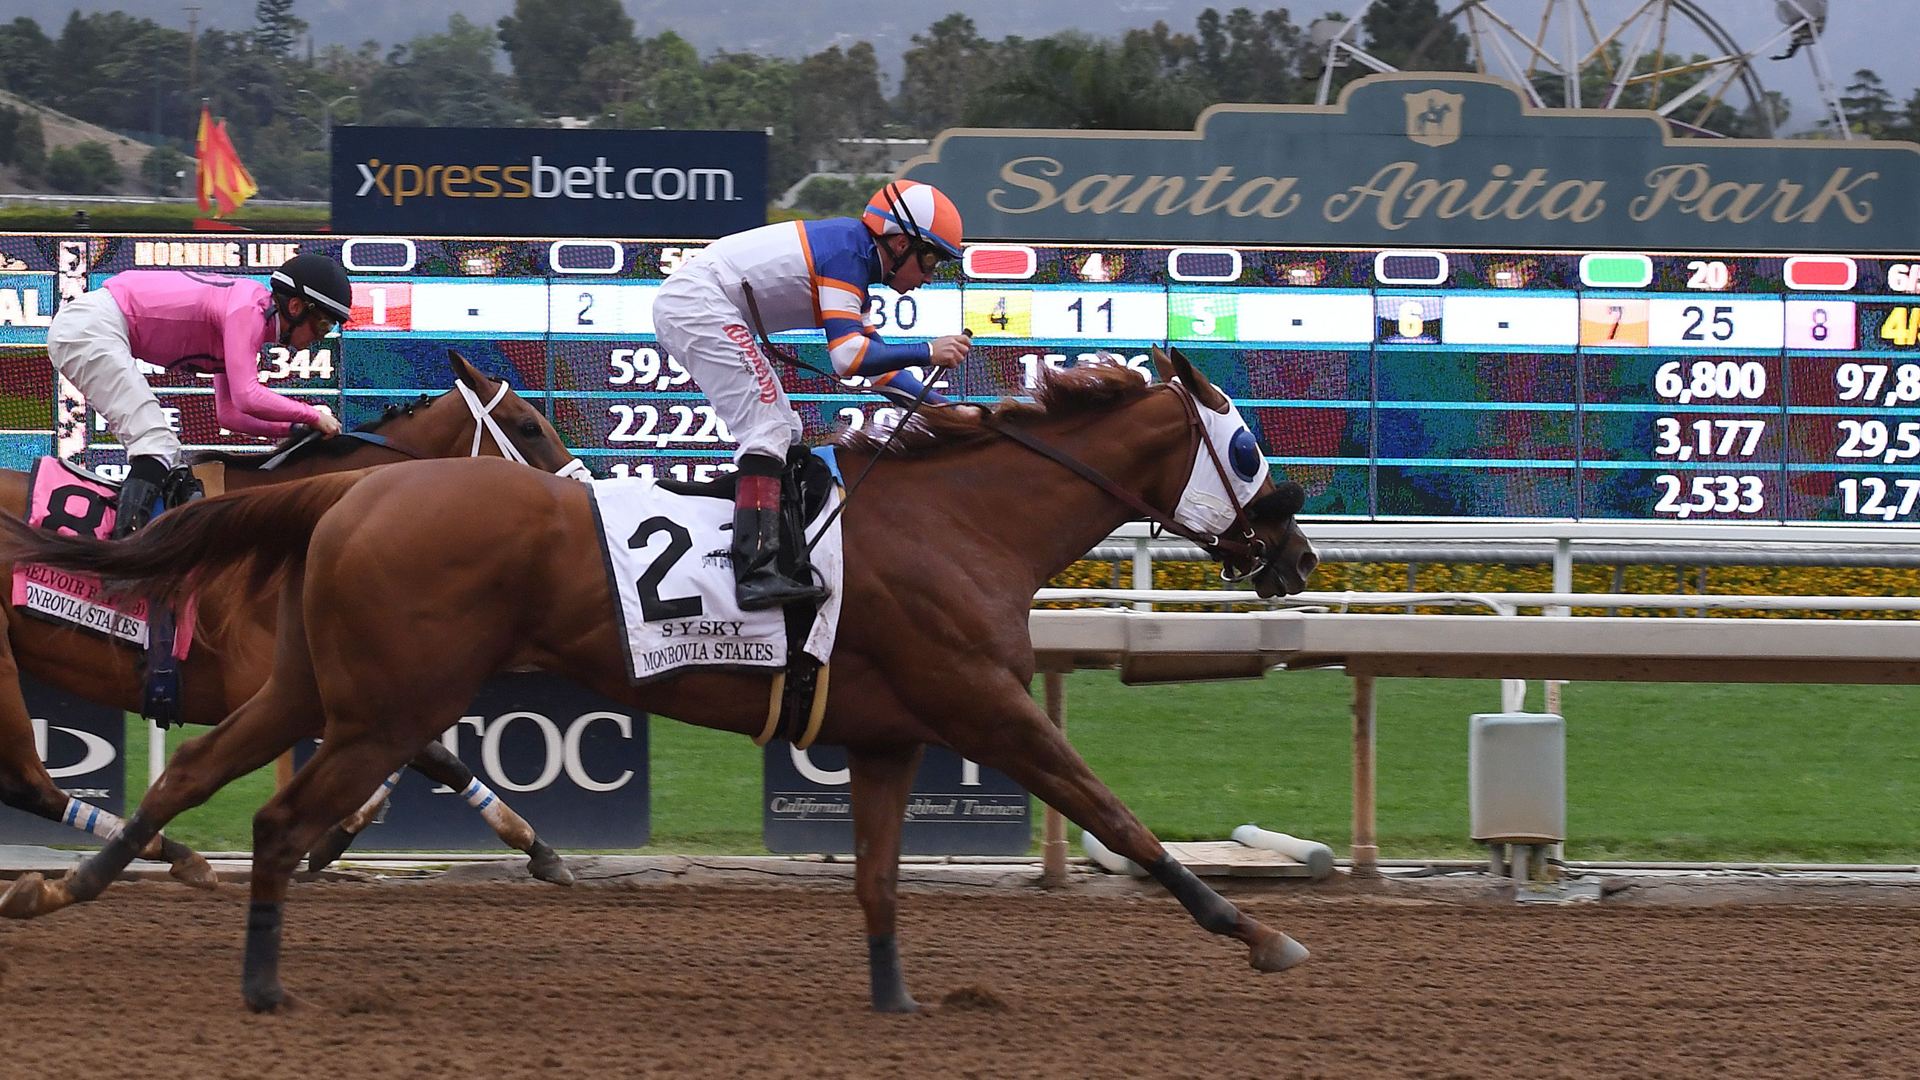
(224, 183)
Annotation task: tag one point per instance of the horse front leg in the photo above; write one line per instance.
(882, 781)
(330, 786)
(1003, 728)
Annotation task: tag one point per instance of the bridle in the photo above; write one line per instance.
(483, 424)
(1239, 540)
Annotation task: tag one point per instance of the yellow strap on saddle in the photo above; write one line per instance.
(816, 714)
(212, 476)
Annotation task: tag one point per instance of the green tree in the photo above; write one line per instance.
(10, 118)
(832, 196)
(87, 168)
(550, 40)
(837, 96)
(1073, 81)
(658, 82)
(26, 59)
(946, 66)
(161, 170)
(746, 92)
(445, 79)
(1249, 57)
(276, 28)
(30, 144)
(1908, 125)
(1411, 35)
(1868, 104)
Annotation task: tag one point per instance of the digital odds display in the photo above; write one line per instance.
(1395, 384)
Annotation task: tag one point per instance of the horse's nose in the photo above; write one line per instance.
(1308, 560)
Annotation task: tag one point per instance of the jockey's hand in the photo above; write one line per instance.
(327, 424)
(949, 351)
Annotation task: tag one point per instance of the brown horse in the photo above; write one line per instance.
(233, 653)
(383, 638)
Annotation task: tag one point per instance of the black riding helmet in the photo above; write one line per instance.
(320, 281)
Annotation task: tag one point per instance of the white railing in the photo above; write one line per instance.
(1502, 603)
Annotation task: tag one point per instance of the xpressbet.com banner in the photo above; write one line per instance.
(547, 182)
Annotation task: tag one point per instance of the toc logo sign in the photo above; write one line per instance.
(82, 746)
(548, 182)
(957, 807)
(569, 761)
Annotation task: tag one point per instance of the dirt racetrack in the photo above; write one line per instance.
(509, 980)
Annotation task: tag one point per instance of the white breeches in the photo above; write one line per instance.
(87, 342)
(716, 343)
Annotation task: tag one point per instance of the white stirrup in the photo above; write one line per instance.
(483, 422)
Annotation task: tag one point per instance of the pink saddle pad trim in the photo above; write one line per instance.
(84, 501)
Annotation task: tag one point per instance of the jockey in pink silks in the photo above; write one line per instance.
(201, 322)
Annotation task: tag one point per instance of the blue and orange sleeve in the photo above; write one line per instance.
(840, 294)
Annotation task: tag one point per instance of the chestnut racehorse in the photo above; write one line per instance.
(233, 651)
(414, 584)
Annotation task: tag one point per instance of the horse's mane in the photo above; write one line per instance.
(1061, 393)
(312, 448)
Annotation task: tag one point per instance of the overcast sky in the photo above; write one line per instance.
(1860, 33)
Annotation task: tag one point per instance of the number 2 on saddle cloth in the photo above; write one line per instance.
(65, 498)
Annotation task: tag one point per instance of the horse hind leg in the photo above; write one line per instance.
(270, 722)
(882, 781)
(26, 785)
(439, 764)
(1009, 732)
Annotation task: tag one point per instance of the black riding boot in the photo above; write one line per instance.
(146, 476)
(758, 582)
(182, 487)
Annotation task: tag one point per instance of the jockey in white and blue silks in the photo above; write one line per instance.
(802, 274)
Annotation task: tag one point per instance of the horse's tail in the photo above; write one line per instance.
(268, 527)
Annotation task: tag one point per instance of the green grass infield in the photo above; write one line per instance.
(1654, 771)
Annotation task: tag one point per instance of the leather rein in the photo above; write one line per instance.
(483, 425)
(1242, 542)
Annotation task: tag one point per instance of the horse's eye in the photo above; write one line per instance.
(530, 428)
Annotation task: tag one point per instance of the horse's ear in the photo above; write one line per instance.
(1203, 391)
(467, 373)
(1162, 366)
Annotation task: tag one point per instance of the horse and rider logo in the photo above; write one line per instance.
(1433, 117)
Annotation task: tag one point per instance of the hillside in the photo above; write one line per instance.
(64, 130)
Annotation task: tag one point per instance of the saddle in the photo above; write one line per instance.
(799, 694)
(64, 496)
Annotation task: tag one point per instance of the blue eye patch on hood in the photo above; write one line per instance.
(1243, 454)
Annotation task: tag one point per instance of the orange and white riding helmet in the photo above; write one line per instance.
(918, 211)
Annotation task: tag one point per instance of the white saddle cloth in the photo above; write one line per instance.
(667, 561)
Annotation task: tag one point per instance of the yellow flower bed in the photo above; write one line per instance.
(1499, 577)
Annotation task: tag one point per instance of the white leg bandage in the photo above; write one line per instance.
(364, 816)
(511, 826)
(91, 819)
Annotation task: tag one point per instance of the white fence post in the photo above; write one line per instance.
(156, 751)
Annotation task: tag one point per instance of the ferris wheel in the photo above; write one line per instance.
(1572, 61)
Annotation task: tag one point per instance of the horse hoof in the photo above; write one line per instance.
(272, 999)
(1277, 953)
(546, 864)
(22, 900)
(195, 873)
(903, 1006)
(330, 847)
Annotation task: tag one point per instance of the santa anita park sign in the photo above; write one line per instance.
(1452, 160)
